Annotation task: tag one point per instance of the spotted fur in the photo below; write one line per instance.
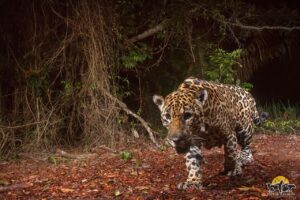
(202, 113)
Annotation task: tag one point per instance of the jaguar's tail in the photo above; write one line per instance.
(260, 118)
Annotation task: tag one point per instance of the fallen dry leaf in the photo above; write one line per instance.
(66, 190)
(251, 198)
(117, 193)
(263, 192)
(141, 187)
(155, 177)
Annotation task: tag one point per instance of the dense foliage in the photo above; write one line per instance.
(66, 64)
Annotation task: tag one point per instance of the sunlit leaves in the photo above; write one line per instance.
(246, 86)
(221, 65)
(136, 56)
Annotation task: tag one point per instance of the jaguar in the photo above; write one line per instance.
(206, 114)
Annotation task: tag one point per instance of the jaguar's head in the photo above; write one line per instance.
(180, 112)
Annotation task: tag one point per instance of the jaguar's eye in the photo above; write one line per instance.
(187, 116)
(168, 116)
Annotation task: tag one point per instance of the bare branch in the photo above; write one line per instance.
(234, 36)
(250, 27)
(149, 32)
(29, 124)
(123, 106)
(260, 28)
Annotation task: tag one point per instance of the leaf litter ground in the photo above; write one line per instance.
(151, 173)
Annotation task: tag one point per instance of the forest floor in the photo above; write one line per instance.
(151, 173)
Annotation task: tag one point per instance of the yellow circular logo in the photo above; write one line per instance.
(278, 179)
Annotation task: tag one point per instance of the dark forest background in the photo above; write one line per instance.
(67, 67)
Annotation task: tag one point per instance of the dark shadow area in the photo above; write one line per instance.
(278, 80)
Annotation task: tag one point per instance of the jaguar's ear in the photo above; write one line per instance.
(202, 96)
(159, 101)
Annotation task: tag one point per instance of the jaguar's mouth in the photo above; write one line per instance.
(182, 145)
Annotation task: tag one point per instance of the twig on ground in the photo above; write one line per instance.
(106, 148)
(15, 187)
(64, 154)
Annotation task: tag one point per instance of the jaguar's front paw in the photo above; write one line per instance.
(246, 161)
(234, 172)
(189, 184)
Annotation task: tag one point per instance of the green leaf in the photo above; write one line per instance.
(126, 155)
(162, 147)
(52, 159)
